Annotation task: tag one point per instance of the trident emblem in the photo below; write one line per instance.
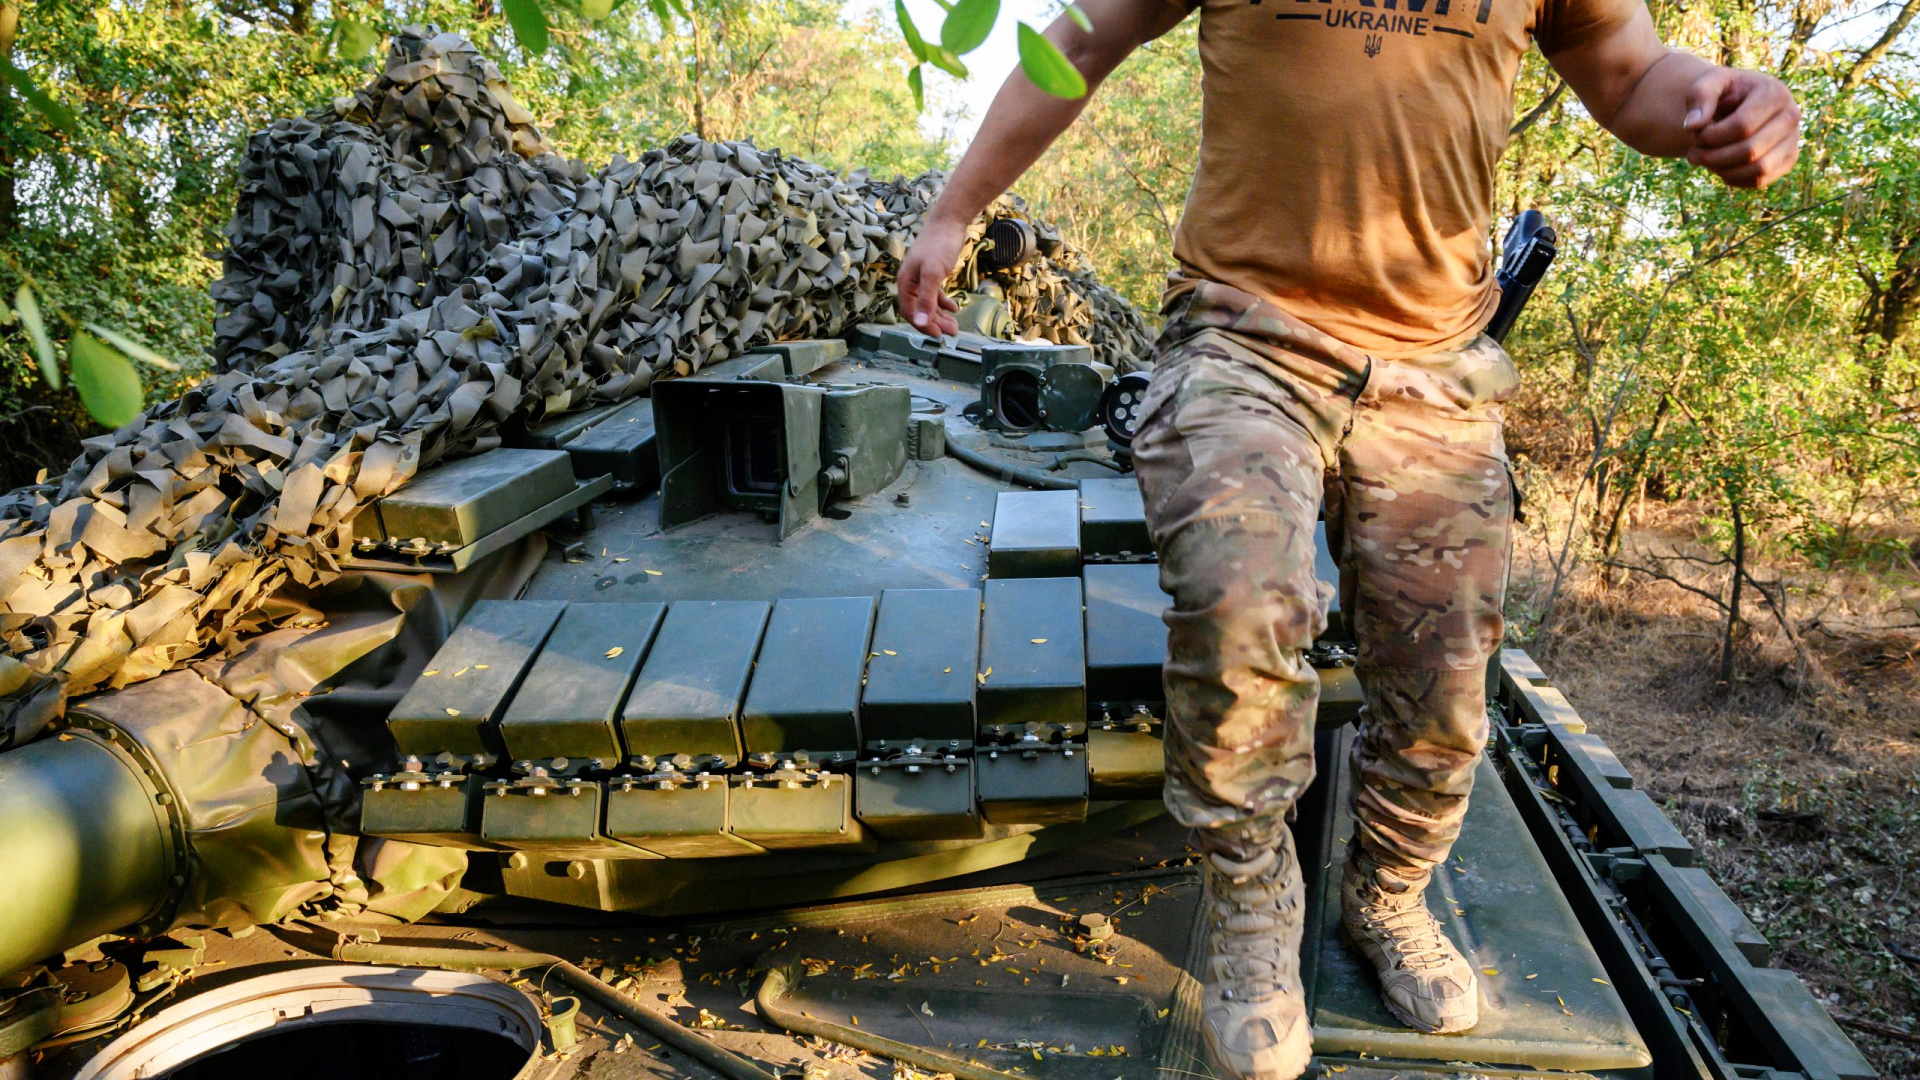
(1374, 41)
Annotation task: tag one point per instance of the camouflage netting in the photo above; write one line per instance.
(409, 270)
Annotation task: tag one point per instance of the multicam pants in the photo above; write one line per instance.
(1252, 419)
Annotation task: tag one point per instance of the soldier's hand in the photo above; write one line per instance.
(924, 302)
(1745, 126)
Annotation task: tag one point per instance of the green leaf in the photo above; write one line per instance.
(915, 43)
(595, 10)
(1049, 69)
(132, 347)
(28, 306)
(529, 23)
(919, 88)
(355, 39)
(57, 114)
(968, 25)
(1079, 18)
(109, 386)
(942, 57)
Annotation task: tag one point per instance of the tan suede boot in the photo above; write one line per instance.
(1423, 978)
(1254, 1017)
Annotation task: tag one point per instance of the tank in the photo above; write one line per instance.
(795, 712)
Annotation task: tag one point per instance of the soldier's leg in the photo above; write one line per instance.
(1425, 513)
(1230, 459)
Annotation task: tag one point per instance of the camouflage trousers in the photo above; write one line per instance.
(1252, 421)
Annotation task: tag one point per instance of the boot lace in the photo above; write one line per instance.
(1412, 933)
(1248, 908)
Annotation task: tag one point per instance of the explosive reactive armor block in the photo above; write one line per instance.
(439, 807)
(927, 796)
(803, 358)
(454, 705)
(920, 671)
(459, 503)
(674, 812)
(1032, 659)
(1035, 534)
(806, 683)
(569, 702)
(793, 806)
(1126, 639)
(557, 816)
(621, 444)
(687, 699)
(1032, 783)
(1113, 521)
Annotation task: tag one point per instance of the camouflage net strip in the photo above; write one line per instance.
(407, 271)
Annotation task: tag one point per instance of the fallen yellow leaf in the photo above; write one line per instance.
(453, 712)
(615, 651)
(889, 652)
(430, 672)
(1038, 640)
(653, 573)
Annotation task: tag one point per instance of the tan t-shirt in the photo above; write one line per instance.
(1347, 156)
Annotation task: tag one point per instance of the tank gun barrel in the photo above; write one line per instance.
(87, 843)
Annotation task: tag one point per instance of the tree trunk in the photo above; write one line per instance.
(9, 198)
(1733, 602)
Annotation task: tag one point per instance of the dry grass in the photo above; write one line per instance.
(1799, 782)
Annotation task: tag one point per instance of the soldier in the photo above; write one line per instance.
(1322, 343)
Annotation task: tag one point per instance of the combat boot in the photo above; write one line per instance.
(1254, 1017)
(1423, 978)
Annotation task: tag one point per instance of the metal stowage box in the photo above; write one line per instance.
(676, 815)
(1032, 783)
(806, 683)
(920, 671)
(1032, 659)
(460, 502)
(569, 703)
(623, 445)
(1113, 520)
(795, 807)
(454, 704)
(925, 796)
(687, 700)
(1035, 534)
(1126, 638)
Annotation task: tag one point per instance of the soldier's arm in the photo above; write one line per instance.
(1022, 122)
(1742, 125)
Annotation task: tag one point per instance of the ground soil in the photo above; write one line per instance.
(1799, 781)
